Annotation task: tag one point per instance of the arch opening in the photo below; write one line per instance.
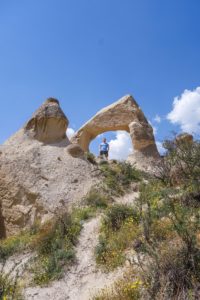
(119, 142)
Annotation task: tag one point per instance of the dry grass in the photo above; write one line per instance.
(127, 288)
(53, 243)
(118, 231)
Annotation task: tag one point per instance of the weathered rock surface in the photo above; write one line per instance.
(125, 114)
(48, 124)
(75, 150)
(40, 171)
(39, 178)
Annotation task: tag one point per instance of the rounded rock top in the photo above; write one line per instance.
(52, 100)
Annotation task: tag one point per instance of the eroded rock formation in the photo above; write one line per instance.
(38, 176)
(48, 124)
(125, 114)
(41, 172)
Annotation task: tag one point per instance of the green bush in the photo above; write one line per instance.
(50, 267)
(170, 227)
(54, 245)
(96, 199)
(118, 176)
(118, 230)
(117, 214)
(9, 288)
(181, 164)
(8, 247)
(127, 288)
(168, 210)
(110, 250)
(83, 213)
(14, 244)
(91, 158)
(53, 242)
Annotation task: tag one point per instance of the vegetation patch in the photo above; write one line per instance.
(52, 242)
(169, 217)
(15, 244)
(128, 288)
(9, 288)
(117, 177)
(81, 214)
(55, 245)
(97, 199)
(166, 223)
(90, 157)
(118, 230)
(163, 228)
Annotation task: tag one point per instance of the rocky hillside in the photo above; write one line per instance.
(38, 172)
(41, 171)
(79, 228)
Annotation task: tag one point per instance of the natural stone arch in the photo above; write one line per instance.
(86, 134)
(125, 114)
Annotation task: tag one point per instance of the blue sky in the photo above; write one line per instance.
(89, 53)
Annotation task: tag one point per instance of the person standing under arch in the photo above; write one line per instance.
(104, 149)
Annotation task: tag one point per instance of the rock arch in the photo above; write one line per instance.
(125, 114)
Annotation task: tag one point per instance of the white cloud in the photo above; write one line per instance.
(155, 129)
(159, 145)
(100, 136)
(157, 119)
(186, 111)
(70, 132)
(120, 147)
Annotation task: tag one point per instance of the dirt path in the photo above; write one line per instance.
(82, 280)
